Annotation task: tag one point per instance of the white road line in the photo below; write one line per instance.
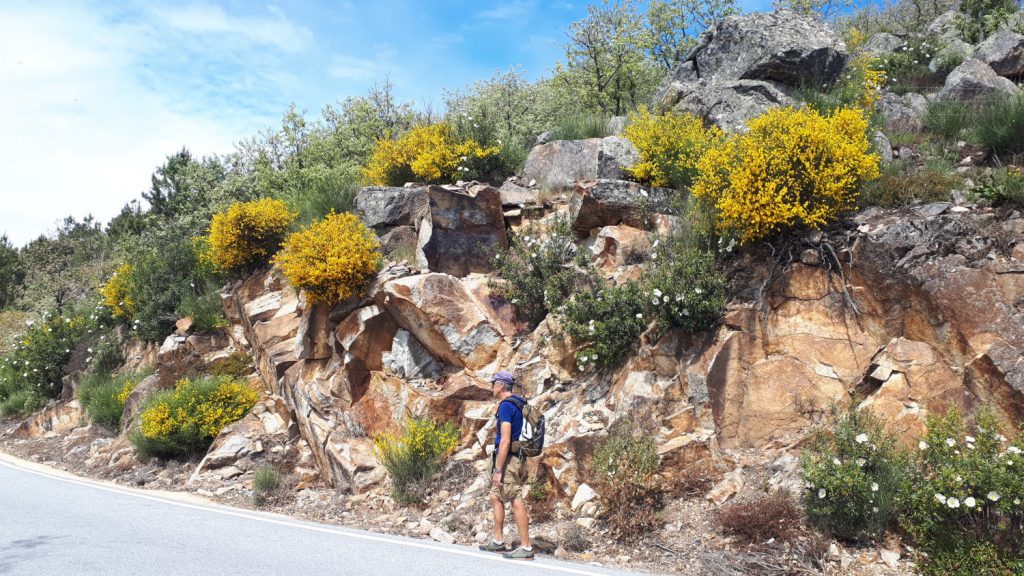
(259, 518)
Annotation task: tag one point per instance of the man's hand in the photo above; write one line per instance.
(496, 478)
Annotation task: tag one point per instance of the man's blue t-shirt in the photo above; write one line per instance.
(509, 412)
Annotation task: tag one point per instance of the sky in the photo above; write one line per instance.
(95, 95)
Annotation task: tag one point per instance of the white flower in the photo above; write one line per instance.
(640, 316)
(1013, 450)
(952, 502)
(515, 301)
(655, 245)
(922, 445)
(643, 193)
(970, 439)
(940, 498)
(950, 442)
(697, 291)
(665, 299)
(861, 462)
(1009, 462)
(1016, 501)
(970, 501)
(1002, 438)
(821, 492)
(993, 496)
(874, 486)
(654, 256)
(29, 322)
(655, 301)
(861, 438)
(657, 293)
(959, 478)
(837, 462)
(874, 508)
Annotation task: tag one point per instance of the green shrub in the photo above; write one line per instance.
(12, 324)
(999, 126)
(103, 396)
(1004, 186)
(979, 19)
(416, 456)
(580, 126)
(965, 508)
(107, 355)
(949, 119)
(855, 477)
(36, 365)
(265, 481)
(907, 68)
(669, 146)
(160, 282)
(606, 322)
(21, 403)
(322, 198)
(237, 366)
(205, 310)
(184, 421)
(684, 289)
(623, 471)
(537, 271)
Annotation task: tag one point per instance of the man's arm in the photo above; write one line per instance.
(503, 449)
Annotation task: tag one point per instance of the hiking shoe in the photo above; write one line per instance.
(519, 554)
(493, 546)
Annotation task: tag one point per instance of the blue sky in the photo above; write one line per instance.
(96, 94)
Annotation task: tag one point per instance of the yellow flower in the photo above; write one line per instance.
(669, 146)
(429, 153)
(248, 233)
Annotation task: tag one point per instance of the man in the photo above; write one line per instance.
(508, 471)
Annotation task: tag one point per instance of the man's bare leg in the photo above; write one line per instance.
(522, 521)
(499, 518)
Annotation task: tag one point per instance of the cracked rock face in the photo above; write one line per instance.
(560, 164)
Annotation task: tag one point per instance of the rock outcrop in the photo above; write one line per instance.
(1003, 52)
(743, 65)
(560, 164)
(974, 80)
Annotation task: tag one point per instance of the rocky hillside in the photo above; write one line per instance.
(905, 312)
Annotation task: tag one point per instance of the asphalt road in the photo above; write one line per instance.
(52, 523)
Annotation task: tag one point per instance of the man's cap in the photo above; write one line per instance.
(505, 377)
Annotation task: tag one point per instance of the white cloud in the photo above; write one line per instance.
(203, 18)
(348, 67)
(83, 127)
(509, 10)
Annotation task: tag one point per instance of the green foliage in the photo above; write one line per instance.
(683, 287)
(12, 324)
(37, 363)
(21, 403)
(999, 126)
(979, 19)
(107, 355)
(947, 118)
(323, 198)
(965, 508)
(824, 8)
(237, 366)
(160, 281)
(905, 17)
(184, 421)
(605, 59)
(623, 468)
(63, 270)
(11, 273)
(907, 67)
(580, 126)
(103, 396)
(673, 26)
(416, 456)
(205, 310)
(265, 481)
(855, 476)
(1002, 186)
(539, 270)
(606, 321)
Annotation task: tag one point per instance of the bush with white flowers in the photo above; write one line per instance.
(855, 475)
(683, 287)
(605, 323)
(966, 508)
(539, 270)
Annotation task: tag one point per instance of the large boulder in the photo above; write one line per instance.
(465, 229)
(384, 207)
(447, 319)
(727, 103)
(599, 203)
(902, 113)
(744, 64)
(783, 46)
(560, 164)
(881, 44)
(975, 80)
(1004, 52)
(58, 418)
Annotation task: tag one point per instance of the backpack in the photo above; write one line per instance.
(531, 437)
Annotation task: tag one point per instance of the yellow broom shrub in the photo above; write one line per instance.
(669, 146)
(117, 293)
(331, 259)
(247, 234)
(793, 167)
(428, 153)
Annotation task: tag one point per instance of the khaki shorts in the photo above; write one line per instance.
(514, 484)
